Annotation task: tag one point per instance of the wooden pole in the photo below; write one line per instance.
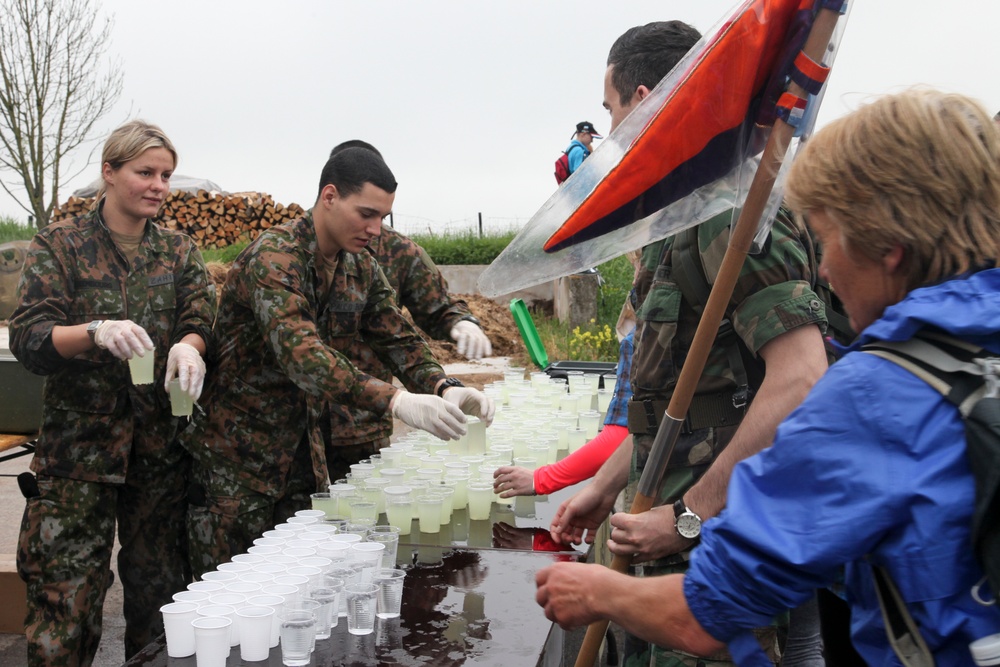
(732, 263)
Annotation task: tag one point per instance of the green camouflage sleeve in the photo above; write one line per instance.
(44, 302)
(396, 342)
(419, 285)
(774, 293)
(196, 298)
(287, 318)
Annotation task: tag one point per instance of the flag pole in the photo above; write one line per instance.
(740, 240)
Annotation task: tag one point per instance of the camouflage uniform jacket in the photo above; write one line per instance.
(773, 294)
(94, 418)
(423, 291)
(284, 354)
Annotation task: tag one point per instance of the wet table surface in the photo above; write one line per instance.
(468, 598)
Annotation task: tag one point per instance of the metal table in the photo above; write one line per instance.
(468, 599)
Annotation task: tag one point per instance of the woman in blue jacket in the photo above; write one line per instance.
(904, 196)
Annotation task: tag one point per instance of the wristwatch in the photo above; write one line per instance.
(92, 329)
(471, 318)
(450, 382)
(687, 523)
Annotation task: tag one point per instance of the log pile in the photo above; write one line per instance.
(212, 219)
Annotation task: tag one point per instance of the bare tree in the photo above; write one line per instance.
(55, 86)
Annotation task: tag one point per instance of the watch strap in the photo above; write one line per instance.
(450, 382)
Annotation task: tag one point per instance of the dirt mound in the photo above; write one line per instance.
(497, 323)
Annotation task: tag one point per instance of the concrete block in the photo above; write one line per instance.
(575, 298)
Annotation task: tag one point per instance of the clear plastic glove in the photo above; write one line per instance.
(472, 342)
(429, 413)
(472, 402)
(123, 338)
(186, 364)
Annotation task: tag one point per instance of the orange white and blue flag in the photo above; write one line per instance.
(688, 151)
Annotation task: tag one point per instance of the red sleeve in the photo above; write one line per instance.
(581, 464)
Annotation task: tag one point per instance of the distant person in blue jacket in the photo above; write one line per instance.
(871, 469)
(580, 147)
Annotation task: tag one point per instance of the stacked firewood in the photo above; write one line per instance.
(212, 219)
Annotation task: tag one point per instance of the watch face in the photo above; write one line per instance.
(688, 525)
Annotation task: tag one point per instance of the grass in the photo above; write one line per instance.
(12, 229)
(463, 247)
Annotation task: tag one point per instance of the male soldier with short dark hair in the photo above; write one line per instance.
(293, 303)
(774, 354)
(352, 433)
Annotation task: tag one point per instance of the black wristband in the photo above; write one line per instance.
(450, 382)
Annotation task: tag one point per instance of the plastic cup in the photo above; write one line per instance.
(255, 632)
(298, 633)
(289, 592)
(389, 536)
(141, 368)
(211, 640)
(363, 510)
(206, 586)
(327, 593)
(325, 503)
(390, 592)
(302, 520)
(221, 611)
(350, 574)
(590, 422)
(480, 500)
(369, 556)
(361, 601)
(318, 514)
(251, 559)
(275, 602)
(234, 567)
(576, 438)
(219, 576)
(198, 597)
(429, 513)
(177, 617)
(181, 403)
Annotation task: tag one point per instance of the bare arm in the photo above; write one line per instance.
(652, 608)
(795, 360)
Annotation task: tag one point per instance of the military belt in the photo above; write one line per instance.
(706, 411)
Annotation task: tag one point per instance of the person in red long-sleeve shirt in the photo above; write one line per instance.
(510, 481)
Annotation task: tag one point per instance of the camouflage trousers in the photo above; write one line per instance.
(64, 557)
(224, 517)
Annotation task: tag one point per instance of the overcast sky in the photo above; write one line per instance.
(469, 102)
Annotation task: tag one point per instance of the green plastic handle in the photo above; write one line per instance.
(529, 334)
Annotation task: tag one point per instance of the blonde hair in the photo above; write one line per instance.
(919, 169)
(129, 142)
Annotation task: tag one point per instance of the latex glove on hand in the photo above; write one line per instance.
(122, 338)
(472, 402)
(429, 413)
(186, 364)
(472, 342)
